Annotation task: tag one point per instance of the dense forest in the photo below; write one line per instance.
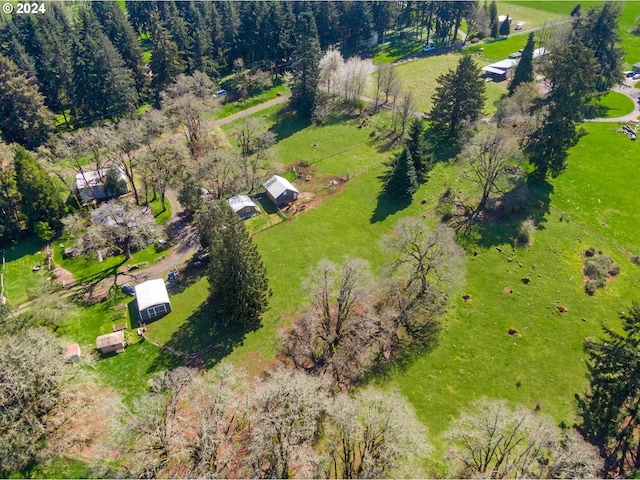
(87, 63)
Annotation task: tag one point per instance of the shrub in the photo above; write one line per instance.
(590, 287)
(598, 268)
(524, 235)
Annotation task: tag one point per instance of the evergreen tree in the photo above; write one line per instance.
(123, 37)
(23, 116)
(610, 409)
(459, 98)
(166, 61)
(402, 181)
(493, 19)
(572, 74)
(237, 276)
(598, 31)
(114, 184)
(418, 149)
(577, 11)
(305, 84)
(140, 15)
(524, 70)
(40, 200)
(9, 197)
(505, 27)
(104, 86)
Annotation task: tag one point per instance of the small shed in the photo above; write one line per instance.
(153, 299)
(111, 342)
(636, 67)
(243, 206)
(72, 353)
(501, 70)
(280, 191)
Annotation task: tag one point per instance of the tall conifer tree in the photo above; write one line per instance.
(237, 276)
(23, 116)
(40, 200)
(303, 90)
(104, 85)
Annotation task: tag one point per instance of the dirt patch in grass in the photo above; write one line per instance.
(63, 277)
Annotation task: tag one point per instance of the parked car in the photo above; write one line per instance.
(519, 25)
(636, 77)
(221, 93)
(629, 74)
(428, 48)
(128, 289)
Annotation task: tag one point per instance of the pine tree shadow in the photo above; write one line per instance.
(288, 123)
(205, 338)
(444, 147)
(387, 206)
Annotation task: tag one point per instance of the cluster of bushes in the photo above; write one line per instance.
(598, 268)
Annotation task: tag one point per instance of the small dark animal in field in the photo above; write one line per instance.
(513, 331)
(526, 280)
(466, 298)
(562, 309)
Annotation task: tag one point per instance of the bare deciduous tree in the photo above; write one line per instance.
(372, 435)
(341, 332)
(404, 110)
(284, 420)
(162, 163)
(185, 102)
(389, 82)
(253, 139)
(489, 156)
(495, 441)
(33, 375)
(116, 225)
(210, 433)
(155, 425)
(515, 111)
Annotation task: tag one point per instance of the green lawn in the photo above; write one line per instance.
(614, 104)
(544, 363)
(419, 76)
(19, 276)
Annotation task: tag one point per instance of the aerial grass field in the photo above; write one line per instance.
(419, 76)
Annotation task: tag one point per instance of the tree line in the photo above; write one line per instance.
(85, 64)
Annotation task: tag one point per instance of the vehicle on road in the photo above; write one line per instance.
(220, 93)
(128, 289)
(428, 48)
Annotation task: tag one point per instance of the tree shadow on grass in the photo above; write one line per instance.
(206, 338)
(388, 205)
(527, 201)
(288, 123)
(444, 148)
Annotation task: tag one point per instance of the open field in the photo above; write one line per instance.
(419, 76)
(627, 21)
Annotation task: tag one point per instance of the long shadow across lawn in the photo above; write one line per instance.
(288, 123)
(206, 329)
(388, 206)
(534, 200)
